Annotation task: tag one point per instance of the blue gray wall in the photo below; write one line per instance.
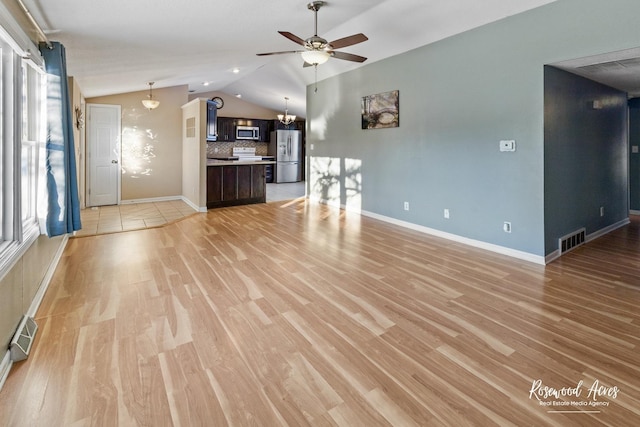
(634, 158)
(458, 98)
(585, 156)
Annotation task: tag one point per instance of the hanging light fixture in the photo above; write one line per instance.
(150, 103)
(285, 118)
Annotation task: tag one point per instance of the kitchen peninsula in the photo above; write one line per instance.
(222, 171)
(236, 182)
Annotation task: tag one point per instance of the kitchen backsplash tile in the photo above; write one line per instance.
(225, 148)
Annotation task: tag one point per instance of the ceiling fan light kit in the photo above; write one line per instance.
(315, 57)
(318, 50)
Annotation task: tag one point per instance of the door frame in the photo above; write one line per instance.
(89, 148)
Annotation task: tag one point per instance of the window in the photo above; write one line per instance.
(21, 136)
(32, 140)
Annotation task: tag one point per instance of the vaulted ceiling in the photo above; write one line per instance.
(117, 46)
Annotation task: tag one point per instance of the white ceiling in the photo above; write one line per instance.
(620, 70)
(117, 46)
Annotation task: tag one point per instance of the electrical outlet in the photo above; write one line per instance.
(506, 227)
(406, 206)
(601, 210)
(446, 213)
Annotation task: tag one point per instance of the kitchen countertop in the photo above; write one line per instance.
(219, 162)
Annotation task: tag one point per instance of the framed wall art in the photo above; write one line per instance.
(381, 110)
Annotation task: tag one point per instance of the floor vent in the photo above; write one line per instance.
(22, 340)
(571, 241)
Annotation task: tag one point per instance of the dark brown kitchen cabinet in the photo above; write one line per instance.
(258, 182)
(214, 185)
(226, 129)
(265, 130)
(230, 185)
(212, 121)
(297, 125)
(244, 182)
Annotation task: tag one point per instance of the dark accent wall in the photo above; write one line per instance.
(634, 158)
(585, 155)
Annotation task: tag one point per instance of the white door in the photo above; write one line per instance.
(103, 153)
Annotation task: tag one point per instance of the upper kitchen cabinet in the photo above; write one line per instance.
(297, 125)
(226, 129)
(265, 129)
(212, 121)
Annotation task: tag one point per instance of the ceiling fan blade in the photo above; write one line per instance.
(278, 53)
(292, 37)
(348, 41)
(348, 56)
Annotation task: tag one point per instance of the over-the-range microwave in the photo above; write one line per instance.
(248, 132)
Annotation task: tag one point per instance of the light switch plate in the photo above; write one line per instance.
(508, 145)
(634, 149)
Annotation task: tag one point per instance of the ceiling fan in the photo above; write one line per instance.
(318, 50)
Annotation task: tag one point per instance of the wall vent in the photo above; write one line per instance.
(572, 240)
(22, 340)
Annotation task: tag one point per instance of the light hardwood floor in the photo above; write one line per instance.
(295, 314)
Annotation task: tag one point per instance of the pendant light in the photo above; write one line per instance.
(285, 118)
(150, 103)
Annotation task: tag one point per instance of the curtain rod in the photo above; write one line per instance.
(35, 24)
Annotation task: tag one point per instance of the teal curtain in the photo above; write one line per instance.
(63, 214)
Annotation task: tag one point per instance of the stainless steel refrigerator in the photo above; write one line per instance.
(286, 146)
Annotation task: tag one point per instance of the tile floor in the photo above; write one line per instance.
(285, 191)
(116, 218)
(126, 217)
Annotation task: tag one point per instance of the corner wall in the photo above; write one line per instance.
(151, 142)
(458, 98)
(194, 153)
(634, 158)
(585, 156)
(78, 103)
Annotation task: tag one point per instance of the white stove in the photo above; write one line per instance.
(246, 153)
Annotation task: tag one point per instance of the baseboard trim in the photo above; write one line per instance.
(634, 212)
(7, 363)
(552, 256)
(5, 367)
(150, 200)
(46, 280)
(195, 207)
(607, 230)
(525, 256)
(590, 237)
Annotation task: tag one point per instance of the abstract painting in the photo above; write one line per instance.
(381, 110)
